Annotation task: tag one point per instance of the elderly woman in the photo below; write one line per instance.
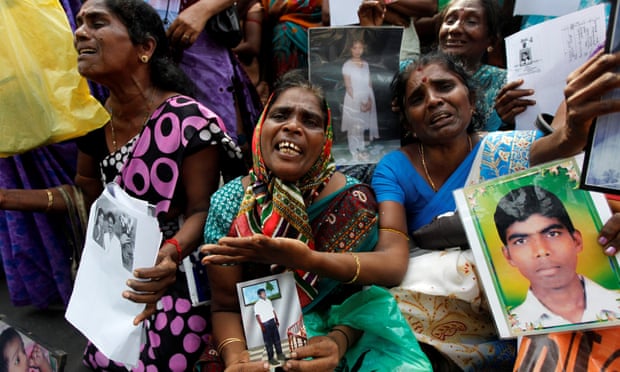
(161, 146)
(467, 30)
(295, 211)
(440, 296)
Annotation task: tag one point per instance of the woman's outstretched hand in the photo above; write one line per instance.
(257, 248)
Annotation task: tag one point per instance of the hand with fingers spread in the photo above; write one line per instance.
(257, 248)
(584, 88)
(582, 103)
(511, 101)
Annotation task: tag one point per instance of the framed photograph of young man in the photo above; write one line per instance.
(355, 67)
(533, 235)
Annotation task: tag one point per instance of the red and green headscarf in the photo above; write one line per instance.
(277, 208)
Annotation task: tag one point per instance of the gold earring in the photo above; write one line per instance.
(144, 58)
(489, 49)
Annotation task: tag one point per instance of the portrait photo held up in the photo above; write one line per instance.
(354, 66)
(272, 317)
(533, 235)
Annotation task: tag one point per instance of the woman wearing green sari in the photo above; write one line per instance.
(295, 211)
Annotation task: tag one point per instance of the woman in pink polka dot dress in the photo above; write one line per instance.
(161, 146)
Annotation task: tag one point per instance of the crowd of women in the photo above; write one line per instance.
(180, 107)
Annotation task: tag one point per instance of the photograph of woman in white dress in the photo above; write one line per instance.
(359, 110)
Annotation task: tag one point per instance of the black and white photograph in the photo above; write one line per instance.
(355, 66)
(116, 231)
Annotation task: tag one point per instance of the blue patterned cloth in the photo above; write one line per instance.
(531, 20)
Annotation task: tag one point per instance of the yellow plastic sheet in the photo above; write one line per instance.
(43, 99)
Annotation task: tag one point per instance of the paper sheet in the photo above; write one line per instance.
(343, 12)
(96, 307)
(545, 54)
(545, 7)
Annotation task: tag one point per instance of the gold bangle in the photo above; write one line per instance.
(357, 269)
(395, 232)
(50, 200)
(227, 342)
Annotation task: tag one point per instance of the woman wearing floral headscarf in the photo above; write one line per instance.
(294, 211)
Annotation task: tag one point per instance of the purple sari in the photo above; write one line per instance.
(36, 249)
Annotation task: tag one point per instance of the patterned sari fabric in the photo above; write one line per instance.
(489, 80)
(289, 36)
(178, 332)
(440, 296)
(221, 81)
(344, 221)
(277, 208)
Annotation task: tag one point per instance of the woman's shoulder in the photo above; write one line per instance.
(232, 187)
(394, 158)
(93, 143)
(185, 105)
(490, 72)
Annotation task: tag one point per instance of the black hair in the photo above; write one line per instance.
(260, 290)
(143, 22)
(7, 336)
(436, 57)
(297, 78)
(521, 203)
(110, 215)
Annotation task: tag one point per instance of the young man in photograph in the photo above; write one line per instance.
(541, 242)
(268, 322)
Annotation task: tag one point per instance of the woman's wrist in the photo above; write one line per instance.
(234, 353)
(341, 338)
(173, 249)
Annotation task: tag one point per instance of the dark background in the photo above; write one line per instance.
(329, 49)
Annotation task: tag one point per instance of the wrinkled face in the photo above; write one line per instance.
(544, 251)
(357, 49)
(437, 104)
(102, 42)
(293, 134)
(464, 31)
(15, 356)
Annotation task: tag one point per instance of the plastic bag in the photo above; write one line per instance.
(590, 351)
(43, 98)
(388, 344)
